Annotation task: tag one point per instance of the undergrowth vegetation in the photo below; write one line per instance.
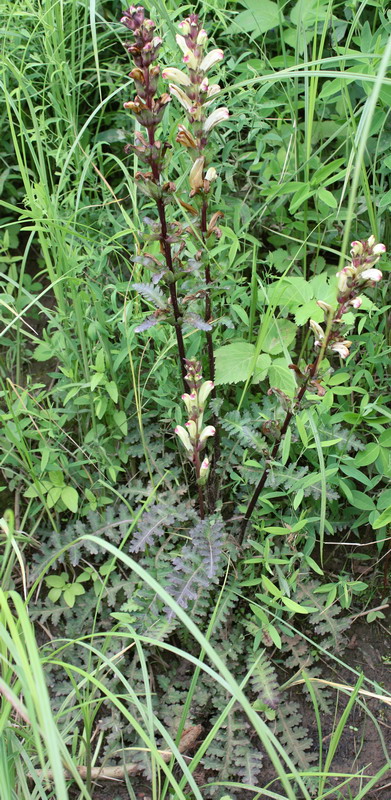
(195, 402)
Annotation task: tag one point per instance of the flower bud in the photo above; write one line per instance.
(190, 59)
(184, 437)
(181, 96)
(342, 348)
(371, 241)
(202, 37)
(379, 249)
(343, 278)
(185, 137)
(208, 431)
(184, 26)
(181, 42)
(211, 174)
(176, 75)
(373, 275)
(356, 303)
(324, 306)
(218, 115)
(205, 389)
(190, 401)
(356, 249)
(196, 178)
(191, 429)
(204, 472)
(319, 332)
(211, 58)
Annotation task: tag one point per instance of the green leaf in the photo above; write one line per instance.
(44, 351)
(234, 361)
(362, 501)
(112, 390)
(120, 419)
(260, 16)
(53, 496)
(274, 635)
(290, 292)
(57, 581)
(299, 197)
(69, 597)
(327, 197)
(97, 379)
(296, 607)
(368, 455)
(385, 438)
(384, 519)
(384, 499)
(54, 594)
(300, 420)
(280, 377)
(70, 498)
(279, 335)
(270, 587)
(100, 361)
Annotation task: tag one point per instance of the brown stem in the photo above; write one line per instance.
(312, 371)
(343, 304)
(168, 258)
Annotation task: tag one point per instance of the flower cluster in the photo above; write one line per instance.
(147, 108)
(360, 273)
(352, 279)
(193, 436)
(194, 92)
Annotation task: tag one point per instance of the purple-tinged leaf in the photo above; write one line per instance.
(151, 293)
(148, 323)
(158, 276)
(197, 322)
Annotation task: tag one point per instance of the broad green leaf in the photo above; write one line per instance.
(305, 15)
(57, 477)
(384, 499)
(54, 594)
(327, 197)
(120, 419)
(290, 292)
(44, 351)
(368, 455)
(362, 501)
(385, 438)
(299, 197)
(53, 496)
(97, 379)
(70, 498)
(260, 16)
(281, 377)
(69, 598)
(112, 390)
(233, 363)
(384, 519)
(339, 377)
(279, 335)
(57, 581)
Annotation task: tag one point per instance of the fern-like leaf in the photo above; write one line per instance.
(151, 293)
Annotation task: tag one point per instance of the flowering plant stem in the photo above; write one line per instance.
(359, 275)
